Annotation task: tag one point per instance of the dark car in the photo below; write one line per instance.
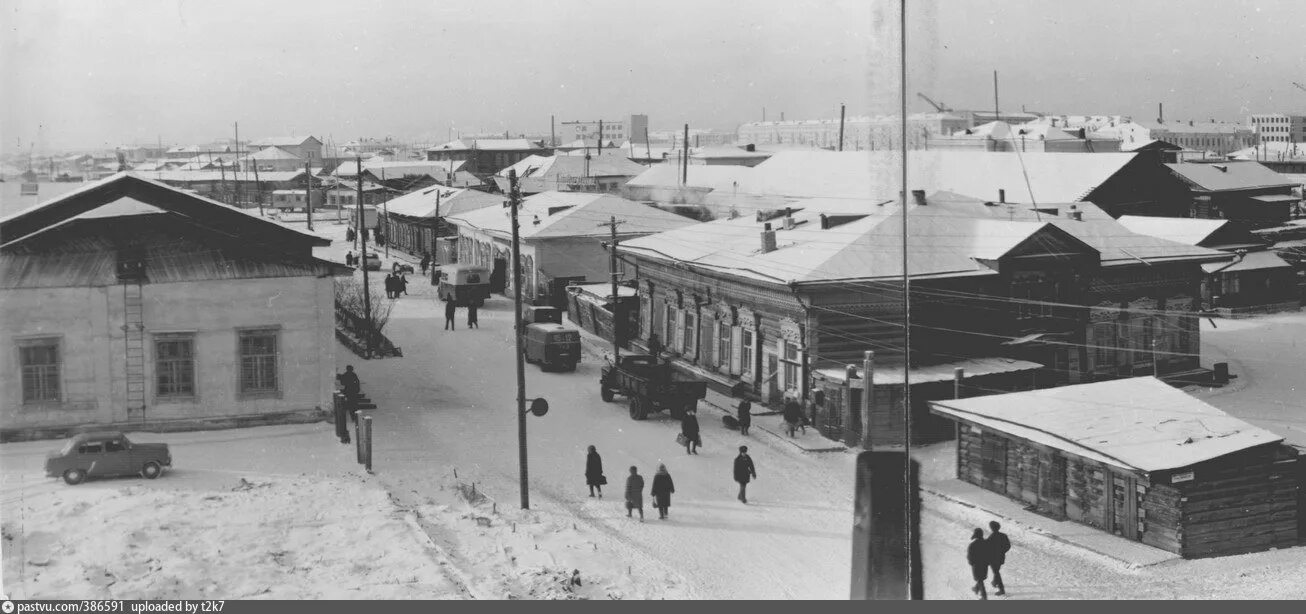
(107, 454)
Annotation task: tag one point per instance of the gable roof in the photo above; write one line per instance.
(452, 201)
(284, 141)
(272, 153)
(490, 144)
(542, 167)
(202, 211)
(1241, 175)
(1138, 424)
(867, 247)
(1053, 177)
(721, 178)
(1186, 230)
(550, 215)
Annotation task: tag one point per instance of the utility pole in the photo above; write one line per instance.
(385, 205)
(600, 137)
(685, 176)
(842, 108)
(308, 191)
(612, 272)
(995, 96)
(362, 238)
(258, 190)
(514, 201)
(237, 167)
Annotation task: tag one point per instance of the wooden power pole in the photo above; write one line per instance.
(612, 273)
(514, 201)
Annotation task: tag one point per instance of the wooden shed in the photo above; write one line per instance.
(1135, 457)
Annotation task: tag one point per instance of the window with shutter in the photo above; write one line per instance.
(748, 346)
(688, 327)
(736, 349)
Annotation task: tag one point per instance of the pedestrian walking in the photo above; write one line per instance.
(689, 428)
(744, 472)
(450, 312)
(793, 415)
(661, 491)
(745, 416)
(352, 388)
(998, 544)
(401, 285)
(472, 322)
(594, 472)
(977, 555)
(349, 258)
(635, 493)
(426, 262)
(390, 285)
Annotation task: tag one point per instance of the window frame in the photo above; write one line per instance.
(747, 349)
(175, 337)
(55, 341)
(243, 391)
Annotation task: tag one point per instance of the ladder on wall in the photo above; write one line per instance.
(134, 334)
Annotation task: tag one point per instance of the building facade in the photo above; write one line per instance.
(139, 317)
(1279, 127)
(632, 128)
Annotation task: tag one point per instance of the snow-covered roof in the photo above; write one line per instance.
(972, 367)
(1272, 151)
(283, 141)
(452, 201)
(536, 166)
(272, 153)
(1138, 424)
(867, 247)
(228, 175)
(1052, 177)
(1222, 128)
(1242, 175)
(572, 214)
(1252, 261)
(1186, 230)
(722, 177)
(489, 144)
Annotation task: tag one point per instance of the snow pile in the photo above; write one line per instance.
(509, 553)
(288, 538)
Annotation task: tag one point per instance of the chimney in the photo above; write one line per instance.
(825, 222)
(750, 147)
(768, 239)
(1076, 214)
(789, 218)
(1160, 113)
(919, 196)
(1002, 196)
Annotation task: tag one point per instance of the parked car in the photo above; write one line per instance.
(107, 454)
(372, 261)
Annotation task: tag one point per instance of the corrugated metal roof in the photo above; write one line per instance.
(1140, 424)
(1242, 175)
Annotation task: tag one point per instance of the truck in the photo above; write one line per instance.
(650, 386)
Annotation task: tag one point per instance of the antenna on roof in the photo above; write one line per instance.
(1025, 172)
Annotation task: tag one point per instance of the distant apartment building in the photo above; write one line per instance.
(1279, 127)
(632, 128)
(867, 133)
(1219, 138)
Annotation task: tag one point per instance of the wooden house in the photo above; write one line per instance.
(760, 304)
(1137, 458)
(1242, 191)
(415, 220)
(1256, 280)
(132, 304)
(562, 238)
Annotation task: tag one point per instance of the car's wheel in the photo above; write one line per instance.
(605, 393)
(74, 476)
(151, 470)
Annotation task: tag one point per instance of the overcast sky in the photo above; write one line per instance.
(95, 73)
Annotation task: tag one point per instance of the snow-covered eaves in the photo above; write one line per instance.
(1137, 424)
(1229, 176)
(1189, 231)
(972, 367)
(1252, 261)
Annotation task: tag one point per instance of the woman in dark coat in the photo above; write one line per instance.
(661, 491)
(401, 285)
(594, 472)
(689, 428)
(635, 493)
(977, 555)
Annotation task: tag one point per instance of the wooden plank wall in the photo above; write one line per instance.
(1242, 502)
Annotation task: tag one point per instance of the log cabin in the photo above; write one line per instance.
(1137, 458)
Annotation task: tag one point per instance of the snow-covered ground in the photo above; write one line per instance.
(1268, 354)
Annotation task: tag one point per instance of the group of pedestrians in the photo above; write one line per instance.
(984, 554)
(396, 284)
(451, 314)
(663, 486)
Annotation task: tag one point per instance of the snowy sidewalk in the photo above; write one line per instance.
(938, 468)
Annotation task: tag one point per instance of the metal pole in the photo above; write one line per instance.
(362, 241)
(909, 491)
(842, 109)
(308, 191)
(385, 205)
(685, 176)
(514, 201)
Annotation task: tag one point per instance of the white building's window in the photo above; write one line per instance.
(40, 362)
(258, 361)
(174, 365)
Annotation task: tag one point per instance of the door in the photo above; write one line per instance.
(117, 458)
(1052, 484)
(993, 462)
(499, 275)
(90, 456)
